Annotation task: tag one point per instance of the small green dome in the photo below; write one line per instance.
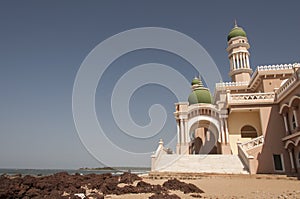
(235, 32)
(195, 81)
(200, 95)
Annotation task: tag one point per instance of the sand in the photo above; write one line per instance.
(239, 186)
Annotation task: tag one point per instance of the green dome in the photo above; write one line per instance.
(195, 81)
(235, 32)
(200, 95)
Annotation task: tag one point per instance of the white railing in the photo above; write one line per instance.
(253, 143)
(246, 146)
(243, 155)
(198, 109)
(231, 84)
(288, 83)
(251, 98)
(275, 67)
(158, 153)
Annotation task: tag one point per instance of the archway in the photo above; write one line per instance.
(203, 136)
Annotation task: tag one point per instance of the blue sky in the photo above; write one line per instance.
(42, 45)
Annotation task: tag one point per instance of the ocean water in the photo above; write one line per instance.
(44, 172)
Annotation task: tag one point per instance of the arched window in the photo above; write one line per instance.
(248, 132)
(294, 122)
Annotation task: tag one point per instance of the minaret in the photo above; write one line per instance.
(238, 55)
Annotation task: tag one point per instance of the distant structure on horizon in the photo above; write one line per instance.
(250, 125)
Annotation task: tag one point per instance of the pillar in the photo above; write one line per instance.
(178, 132)
(222, 132)
(247, 59)
(244, 60)
(226, 131)
(291, 159)
(186, 131)
(234, 62)
(286, 124)
(237, 60)
(182, 131)
(296, 117)
(241, 60)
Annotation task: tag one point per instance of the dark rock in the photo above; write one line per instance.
(53, 186)
(33, 192)
(96, 196)
(196, 195)
(129, 178)
(175, 184)
(164, 196)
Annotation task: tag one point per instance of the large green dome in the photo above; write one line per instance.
(200, 95)
(235, 32)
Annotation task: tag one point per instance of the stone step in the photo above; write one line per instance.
(230, 164)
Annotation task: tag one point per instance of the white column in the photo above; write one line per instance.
(234, 62)
(286, 124)
(226, 131)
(222, 132)
(237, 61)
(247, 58)
(186, 131)
(178, 132)
(296, 117)
(291, 158)
(244, 60)
(182, 131)
(241, 60)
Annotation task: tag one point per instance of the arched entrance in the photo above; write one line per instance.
(203, 135)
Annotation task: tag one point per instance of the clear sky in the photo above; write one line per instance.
(43, 44)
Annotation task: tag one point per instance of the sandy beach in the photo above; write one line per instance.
(234, 186)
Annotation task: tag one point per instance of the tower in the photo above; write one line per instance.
(238, 55)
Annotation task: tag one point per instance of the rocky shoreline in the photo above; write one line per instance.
(64, 185)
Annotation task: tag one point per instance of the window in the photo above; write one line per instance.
(299, 158)
(294, 122)
(277, 162)
(248, 132)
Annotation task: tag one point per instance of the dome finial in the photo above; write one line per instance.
(235, 23)
(200, 82)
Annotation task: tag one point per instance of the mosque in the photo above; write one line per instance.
(250, 125)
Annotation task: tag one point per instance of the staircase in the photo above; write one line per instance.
(225, 164)
(245, 153)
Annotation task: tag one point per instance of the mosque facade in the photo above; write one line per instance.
(250, 125)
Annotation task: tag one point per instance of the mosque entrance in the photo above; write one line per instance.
(203, 138)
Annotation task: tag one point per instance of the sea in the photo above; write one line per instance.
(45, 172)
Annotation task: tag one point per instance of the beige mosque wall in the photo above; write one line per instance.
(270, 84)
(264, 118)
(236, 121)
(273, 128)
